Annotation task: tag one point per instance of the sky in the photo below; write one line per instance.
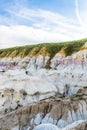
(25, 22)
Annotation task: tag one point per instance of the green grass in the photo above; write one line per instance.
(52, 48)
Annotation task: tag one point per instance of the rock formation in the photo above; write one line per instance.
(44, 88)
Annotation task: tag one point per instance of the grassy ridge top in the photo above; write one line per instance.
(45, 49)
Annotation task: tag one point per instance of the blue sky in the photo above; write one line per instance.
(37, 21)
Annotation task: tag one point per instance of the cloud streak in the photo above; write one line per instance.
(79, 16)
(77, 13)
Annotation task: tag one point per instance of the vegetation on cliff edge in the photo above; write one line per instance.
(50, 49)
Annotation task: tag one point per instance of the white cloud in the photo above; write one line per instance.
(20, 35)
(44, 26)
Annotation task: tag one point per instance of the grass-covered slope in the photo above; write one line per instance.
(45, 49)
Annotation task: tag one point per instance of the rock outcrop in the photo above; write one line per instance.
(55, 110)
(42, 88)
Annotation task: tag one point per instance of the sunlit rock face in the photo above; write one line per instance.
(78, 125)
(18, 89)
(74, 61)
(46, 127)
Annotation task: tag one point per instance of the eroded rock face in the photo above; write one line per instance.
(57, 111)
(17, 90)
(34, 95)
